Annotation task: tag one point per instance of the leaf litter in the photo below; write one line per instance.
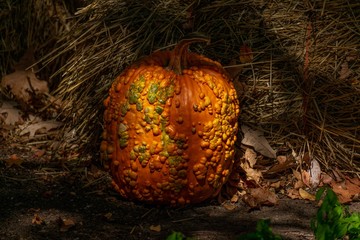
(10, 114)
(38, 127)
(257, 140)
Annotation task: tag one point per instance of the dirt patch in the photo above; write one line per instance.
(42, 202)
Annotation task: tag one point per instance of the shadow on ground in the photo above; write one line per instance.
(33, 207)
(37, 198)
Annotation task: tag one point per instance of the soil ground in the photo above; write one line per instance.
(40, 201)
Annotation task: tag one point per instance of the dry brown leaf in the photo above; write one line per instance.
(108, 216)
(345, 71)
(155, 228)
(299, 184)
(250, 157)
(23, 85)
(254, 174)
(281, 166)
(9, 114)
(247, 164)
(260, 196)
(315, 173)
(37, 220)
(297, 175)
(14, 160)
(305, 175)
(250, 201)
(293, 193)
(354, 180)
(38, 153)
(235, 198)
(282, 159)
(34, 128)
(345, 190)
(229, 206)
(326, 179)
(66, 224)
(251, 174)
(246, 54)
(256, 139)
(306, 195)
(276, 184)
(339, 177)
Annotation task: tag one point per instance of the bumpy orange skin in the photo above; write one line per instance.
(169, 137)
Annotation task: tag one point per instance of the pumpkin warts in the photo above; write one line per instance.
(170, 128)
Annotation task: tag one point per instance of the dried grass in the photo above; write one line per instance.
(35, 24)
(303, 86)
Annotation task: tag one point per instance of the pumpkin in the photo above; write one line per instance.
(170, 125)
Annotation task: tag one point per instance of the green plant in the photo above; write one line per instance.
(176, 236)
(333, 220)
(263, 232)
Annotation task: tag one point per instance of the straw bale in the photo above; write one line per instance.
(32, 24)
(304, 90)
(303, 86)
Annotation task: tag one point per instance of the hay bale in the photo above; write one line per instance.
(304, 88)
(35, 25)
(301, 86)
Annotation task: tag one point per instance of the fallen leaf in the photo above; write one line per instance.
(250, 157)
(9, 114)
(260, 196)
(66, 224)
(229, 206)
(34, 128)
(37, 220)
(108, 216)
(293, 193)
(299, 184)
(235, 198)
(326, 179)
(246, 54)
(247, 164)
(345, 71)
(155, 228)
(339, 177)
(297, 175)
(315, 173)
(24, 85)
(256, 139)
(39, 153)
(14, 160)
(282, 166)
(250, 201)
(305, 175)
(305, 195)
(276, 184)
(282, 159)
(345, 190)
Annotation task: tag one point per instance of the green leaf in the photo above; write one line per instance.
(333, 220)
(176, 236)
(319, 193)
(263, 232)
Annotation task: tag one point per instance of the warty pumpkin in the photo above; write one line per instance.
(170, 125)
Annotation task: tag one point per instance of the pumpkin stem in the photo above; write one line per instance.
(178, 58)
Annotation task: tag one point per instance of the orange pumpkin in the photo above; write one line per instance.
(170, 126)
